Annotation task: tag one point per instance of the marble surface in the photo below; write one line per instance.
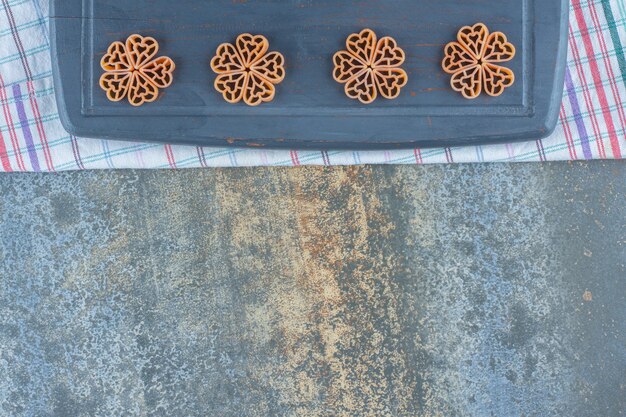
(384, 291)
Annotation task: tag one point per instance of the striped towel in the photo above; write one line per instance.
(592, 116)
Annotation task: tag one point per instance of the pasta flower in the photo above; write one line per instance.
(246, 71)
(369, 67)
(132, 72)
(473, 62)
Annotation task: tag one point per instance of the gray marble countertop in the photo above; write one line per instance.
(384, 291)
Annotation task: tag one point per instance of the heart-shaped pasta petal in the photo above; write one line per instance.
(474, 39)
(457, 58)
(388, 54)
(362, 45)
(468, 81)
(347, 66)
(116, 59)
(497, 79)
(362, 87)
(498, 48)
(258, 90)
(115, 84)
(251, 48)
(141, 90)
(271, 67)
(141, 50)
(231, 86)
(226, 60)
(160, 71)
(390, 81)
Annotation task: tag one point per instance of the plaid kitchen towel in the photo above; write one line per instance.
(592, 116)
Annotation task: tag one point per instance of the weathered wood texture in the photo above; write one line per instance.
(310, 109)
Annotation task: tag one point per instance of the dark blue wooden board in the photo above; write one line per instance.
(310, 109)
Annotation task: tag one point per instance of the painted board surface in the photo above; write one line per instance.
(310, 109)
